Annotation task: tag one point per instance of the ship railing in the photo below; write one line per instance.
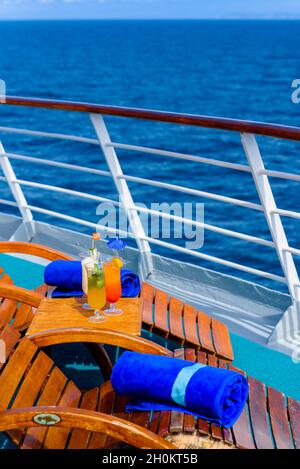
(247, 130)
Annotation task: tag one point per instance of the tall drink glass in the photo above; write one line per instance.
(113, 287)
(96, 291)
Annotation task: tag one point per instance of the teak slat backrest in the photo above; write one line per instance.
(171, 318)
(10, 310)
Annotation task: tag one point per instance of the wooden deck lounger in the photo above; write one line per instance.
(165, 316)
(31, 378)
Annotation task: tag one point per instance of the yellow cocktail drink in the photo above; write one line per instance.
(96, 291)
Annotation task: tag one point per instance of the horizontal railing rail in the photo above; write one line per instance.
(182, 156)
(58, 164)
(234, 125)
(63, 190)
(195, 192)
(255, 168)
(8, 202)
(39, 133)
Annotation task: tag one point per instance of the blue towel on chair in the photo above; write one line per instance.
(67, 277)
(131, 285)
(162, 383)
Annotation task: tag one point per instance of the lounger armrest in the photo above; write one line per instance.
(97, 336)
(13, 292)
(32, 249)
(68, 417)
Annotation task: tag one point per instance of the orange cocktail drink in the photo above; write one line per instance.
(113, 287)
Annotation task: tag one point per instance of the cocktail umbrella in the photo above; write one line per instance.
(117, 245)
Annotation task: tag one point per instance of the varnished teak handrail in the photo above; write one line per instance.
(97, 336)
(220, 123)
(98, 422)
(32, 249)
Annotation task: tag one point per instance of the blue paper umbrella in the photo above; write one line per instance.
(116, 244)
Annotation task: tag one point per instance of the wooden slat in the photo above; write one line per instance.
(164, 423)
(241, 430)
(176, 319)
(189, 421)
(23, 315)
(30, 388)
(119, 411)
(106, 405)
(203, 425)
(7, 311)
(227, 433)
(141, 418)
(221, 339)
(216, 430)
(294, 413)
(259, 414)
(33, 381)
(50, 396)
(161, 312)
(10, 336)
(204, 331)
(153, 427)
(14, 371)
(190, 354)
(176, 422)
(279, 419)
(212, 360)
(177, 418)
(80, 438)
(190, 324)
(56, 438)
(147, 294)
(201, 357)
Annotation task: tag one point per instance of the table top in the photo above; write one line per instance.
(68, 312)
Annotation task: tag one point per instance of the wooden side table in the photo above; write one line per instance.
(68, 312)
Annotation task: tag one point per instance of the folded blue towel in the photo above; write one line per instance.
(67, 277)
(163, 383)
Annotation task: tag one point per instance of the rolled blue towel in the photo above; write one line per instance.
(67, 277)
(131, 285)
(163, 383)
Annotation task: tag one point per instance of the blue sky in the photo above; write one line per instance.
(124, 9)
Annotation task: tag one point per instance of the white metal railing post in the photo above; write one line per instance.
(17, 193)
(273, 219)
(124, 193)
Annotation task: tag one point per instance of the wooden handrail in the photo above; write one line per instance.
(67, 417)
(15, 293)
(259, 128)
(32, 249)
(97, 336)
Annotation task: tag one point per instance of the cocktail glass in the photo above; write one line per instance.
(113, 287)
(85, 260)
(96, 291)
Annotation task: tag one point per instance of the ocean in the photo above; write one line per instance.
(238, 69)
